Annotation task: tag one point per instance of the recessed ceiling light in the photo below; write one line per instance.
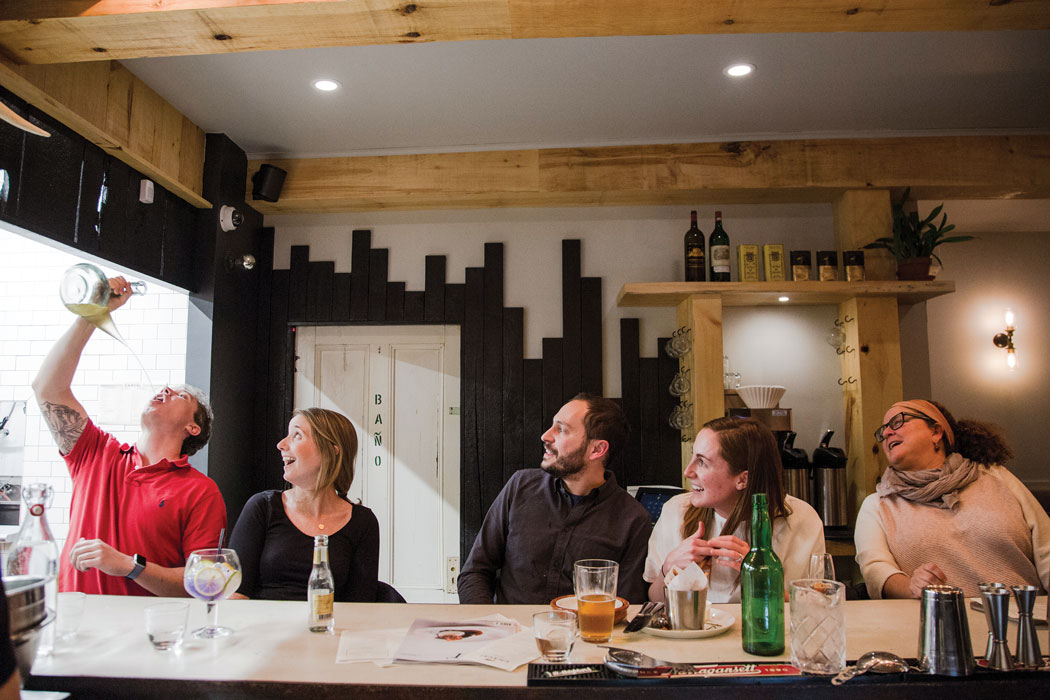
(739, 70)
(326, 85)
(783, 299)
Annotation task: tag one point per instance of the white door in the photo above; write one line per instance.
(399, 385)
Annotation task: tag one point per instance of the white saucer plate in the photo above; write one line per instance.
(719, 621)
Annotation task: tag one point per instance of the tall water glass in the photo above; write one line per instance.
(595, 586)
(818, 626)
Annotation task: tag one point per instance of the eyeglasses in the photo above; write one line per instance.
(895, 423)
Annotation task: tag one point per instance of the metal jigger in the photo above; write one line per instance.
(990, 647)
(997, 602)
(1028, 654)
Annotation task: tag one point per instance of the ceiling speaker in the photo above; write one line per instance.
(267, 183)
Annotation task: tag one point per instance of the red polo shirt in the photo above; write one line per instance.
(162, 511)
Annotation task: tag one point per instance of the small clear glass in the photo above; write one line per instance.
(555, 633)
(70, 613)
(166, 625)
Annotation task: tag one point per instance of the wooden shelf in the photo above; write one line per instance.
(768, 293)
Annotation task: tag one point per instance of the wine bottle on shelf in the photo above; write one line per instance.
(695, 264)
(719, 249)
(321, 589)
(762, 587)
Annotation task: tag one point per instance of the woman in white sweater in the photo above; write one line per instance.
(732, 459)
(946, 511)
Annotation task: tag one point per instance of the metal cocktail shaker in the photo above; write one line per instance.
(944, 632)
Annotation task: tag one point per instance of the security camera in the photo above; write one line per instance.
(230, 218)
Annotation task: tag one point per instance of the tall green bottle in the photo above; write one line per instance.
(762, 587)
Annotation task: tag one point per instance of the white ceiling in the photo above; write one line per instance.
(478, 95)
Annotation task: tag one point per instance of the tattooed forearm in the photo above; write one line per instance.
(66, 424)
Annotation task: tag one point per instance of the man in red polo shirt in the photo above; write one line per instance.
(137, 510)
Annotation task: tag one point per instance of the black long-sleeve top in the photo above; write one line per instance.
(276, 556)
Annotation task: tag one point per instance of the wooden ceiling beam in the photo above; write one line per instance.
(106, 104)
(963, 167)
(53, 31)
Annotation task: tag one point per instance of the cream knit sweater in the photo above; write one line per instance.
(997, 532)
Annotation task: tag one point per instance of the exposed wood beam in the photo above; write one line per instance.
(50, 31)
(978, 167)
(106, 104)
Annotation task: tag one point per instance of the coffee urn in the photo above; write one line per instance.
(796, 468)
(829, 463)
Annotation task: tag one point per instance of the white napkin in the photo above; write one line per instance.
(691, 578)
(377, 646)
(507, 653)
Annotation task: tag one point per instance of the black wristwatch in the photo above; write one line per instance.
(140, 564)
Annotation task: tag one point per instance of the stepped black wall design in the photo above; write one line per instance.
(507, 400)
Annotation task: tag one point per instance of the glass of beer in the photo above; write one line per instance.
(595, 586)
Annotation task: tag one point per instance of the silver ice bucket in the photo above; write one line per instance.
(27, 617)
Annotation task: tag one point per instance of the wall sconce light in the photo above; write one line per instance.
(240, 262)
(1006, 340)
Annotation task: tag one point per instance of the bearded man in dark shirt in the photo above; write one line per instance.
(571, 508)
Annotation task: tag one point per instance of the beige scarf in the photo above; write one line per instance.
(936, 487)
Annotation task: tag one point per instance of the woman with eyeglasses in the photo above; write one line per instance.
(946, 511)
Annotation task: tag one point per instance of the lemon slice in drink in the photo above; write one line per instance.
(209, 582)
(232, 585)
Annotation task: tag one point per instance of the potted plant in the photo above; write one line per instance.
(914, 240)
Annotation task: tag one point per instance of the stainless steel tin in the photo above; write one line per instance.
(944, 633)
(27, 615)
(686, 609)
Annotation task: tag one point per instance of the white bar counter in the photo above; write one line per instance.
(272, 652)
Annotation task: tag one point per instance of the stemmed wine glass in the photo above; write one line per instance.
(212, 575)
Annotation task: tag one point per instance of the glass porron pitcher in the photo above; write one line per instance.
(85, 291)
(35, 553)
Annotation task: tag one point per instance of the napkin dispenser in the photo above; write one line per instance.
(829, 463)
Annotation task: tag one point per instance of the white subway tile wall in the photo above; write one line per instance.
(109, 382)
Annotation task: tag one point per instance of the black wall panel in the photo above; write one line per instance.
(359, 257)
(49, 183)
(320, 294)
(570, 313)
(67, 189)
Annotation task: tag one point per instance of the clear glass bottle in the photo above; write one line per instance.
(85, 291)
(321, 589)
(762, 587)
(35, 553)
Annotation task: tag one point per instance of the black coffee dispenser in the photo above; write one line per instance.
(829, 463)
(797, 474)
